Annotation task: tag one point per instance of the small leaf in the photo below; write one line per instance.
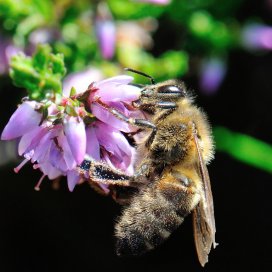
(71, 111)
(40, 74)
(72, 91)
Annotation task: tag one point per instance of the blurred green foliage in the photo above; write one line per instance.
(209, 29)
(198, 30)
(40, 75)
(244, 148)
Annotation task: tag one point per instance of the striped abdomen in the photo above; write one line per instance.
(152, 216)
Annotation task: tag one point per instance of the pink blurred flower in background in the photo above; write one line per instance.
(158, 2)
(212, 73)
(105, 31)
(257, 37)
(136, 33)
(7, 50)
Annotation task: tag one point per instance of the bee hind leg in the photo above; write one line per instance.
(121, 187)
(100, 172)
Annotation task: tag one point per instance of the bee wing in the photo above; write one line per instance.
(203, 214)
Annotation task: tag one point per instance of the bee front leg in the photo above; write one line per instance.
(142, 123)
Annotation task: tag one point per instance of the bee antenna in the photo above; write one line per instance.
(141, 73)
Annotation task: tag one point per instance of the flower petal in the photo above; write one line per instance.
(115, 143)
(80, 81)
(55, 157)
(72, 178)
(116, 89)
(108, 118)
(93, 147)
(23, 120)
(74, 129)
(67, 154)
(117, 80)
(119, 93)
(49, 170)
(105, 135)
(42, 149)
(30, 140)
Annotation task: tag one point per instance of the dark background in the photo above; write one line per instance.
(58, 230)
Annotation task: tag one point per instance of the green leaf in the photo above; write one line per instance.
(40, 74)
(244, 148)
(124, 9)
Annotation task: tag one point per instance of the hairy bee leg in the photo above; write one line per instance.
(161, 104)
(133, 121)
(100, 172)
(141, 171)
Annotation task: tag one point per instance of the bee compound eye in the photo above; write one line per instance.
(185, 181)
(172, 89)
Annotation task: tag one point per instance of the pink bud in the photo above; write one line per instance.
(23, 120)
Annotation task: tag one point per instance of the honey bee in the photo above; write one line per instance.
(171, 178)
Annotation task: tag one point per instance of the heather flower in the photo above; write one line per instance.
(56, 134)
(116, 150)
(55, 149)
(117, 94)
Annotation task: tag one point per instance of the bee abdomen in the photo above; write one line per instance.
(146, 223)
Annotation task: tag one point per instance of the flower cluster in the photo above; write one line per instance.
(55, 134)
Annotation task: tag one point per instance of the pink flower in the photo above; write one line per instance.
(23, 120)
(55, 149)
(116, 150)
(56, 135)
(116, 93)
(257, 36)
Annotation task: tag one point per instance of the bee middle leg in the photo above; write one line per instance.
(100, 172)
